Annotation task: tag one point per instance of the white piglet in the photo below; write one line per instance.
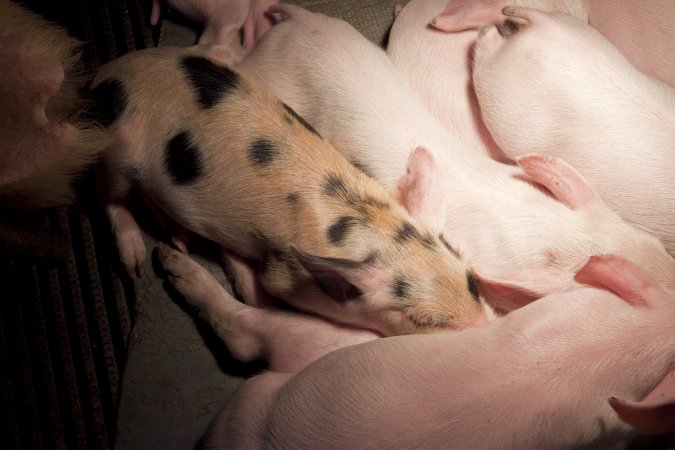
(524, 230)
(587, 368)
(431, 43)
(558, 87)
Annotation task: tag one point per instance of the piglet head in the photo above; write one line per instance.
(398, 294)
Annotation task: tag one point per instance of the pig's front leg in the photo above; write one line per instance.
(288, 340)
(129, 237)
(113, 191)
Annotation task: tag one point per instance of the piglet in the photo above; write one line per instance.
(549, 375)
(45, 142)
(431, 43)
(234, 25)
(578, 98)
(228, 161)
(642, 30)
(524, 230)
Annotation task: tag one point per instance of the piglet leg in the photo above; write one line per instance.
(288, 340)
(129, 237)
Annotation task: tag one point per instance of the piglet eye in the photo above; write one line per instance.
(473, 286)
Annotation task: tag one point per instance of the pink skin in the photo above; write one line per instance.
(505, 221)
(642, 30)
(431, 43)
(223, 20)
(330, 387)
(584, 102)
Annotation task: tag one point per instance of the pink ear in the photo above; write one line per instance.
(464, 15)
(505, 295)
(620, 277)
(420, 190)
(565, 183)
(653, 415)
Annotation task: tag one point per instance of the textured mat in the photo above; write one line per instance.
(65, 314)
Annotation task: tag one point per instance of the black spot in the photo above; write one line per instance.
(401, 288)
(210, 81)
(473, 286)
(183, 159)
(300, 119)
(372, 258)
(448, 246)
(363, 168)
(333, 186)
(407, 232)
(108, 101)
(293, 199)
(262, 151)
(338, 231)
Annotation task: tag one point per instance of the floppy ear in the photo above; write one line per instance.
(420, 190)
(621, 277)
(648, 419)
(464, 15)
(655, 414)
(340, 279)
(565, 183)
(508, 294)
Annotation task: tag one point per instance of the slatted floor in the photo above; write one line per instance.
(65, 314)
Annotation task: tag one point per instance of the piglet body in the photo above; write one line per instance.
(431, 43)
(509, 230)
(228, 161)
(589, 106)
(542, 377)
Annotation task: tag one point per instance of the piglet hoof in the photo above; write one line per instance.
(189, 278)
(132, 251)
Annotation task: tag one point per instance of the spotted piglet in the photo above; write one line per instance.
(226, 160)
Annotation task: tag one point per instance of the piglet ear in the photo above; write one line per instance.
(505, 295)
(565, 183)
(655, 414)
(621, 277)
(420, 191)
(648, 419)
(332, 275)
(463, 15)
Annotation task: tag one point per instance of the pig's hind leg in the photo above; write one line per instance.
(287, 340)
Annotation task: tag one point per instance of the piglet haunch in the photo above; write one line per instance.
(228, 161)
